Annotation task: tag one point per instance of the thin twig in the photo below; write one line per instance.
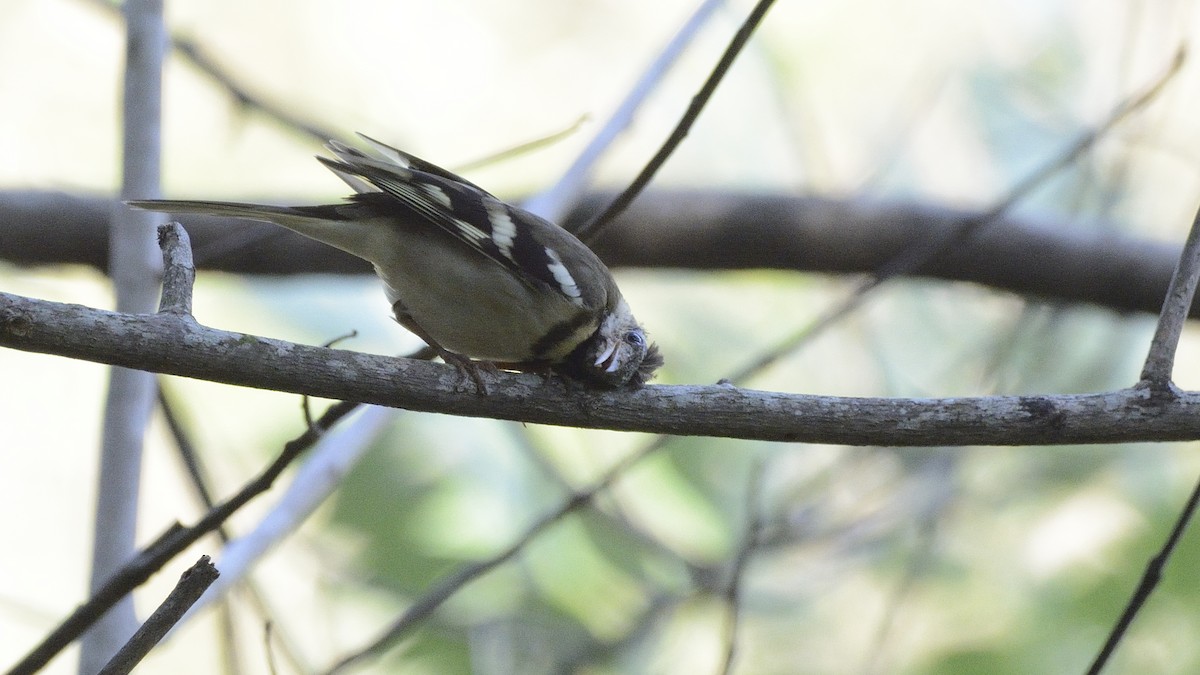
(520, 148)
(188, 456)
(268, 648)
(921, 253)
(918, 255)
(448, 586)
(1146, 586)
(935, 487)
(554, 202)
(1160, 360)
(167, 546)
(591, 230)
(737, 572)
(191, 586)
(191, 51)
(322, 472)
(199, 480)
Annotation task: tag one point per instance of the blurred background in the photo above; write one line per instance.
(865, 560)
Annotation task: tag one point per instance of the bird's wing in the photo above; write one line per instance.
(531, 248)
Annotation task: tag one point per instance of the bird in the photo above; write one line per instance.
(484, 283)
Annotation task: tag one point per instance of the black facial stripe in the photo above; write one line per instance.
(558, 335)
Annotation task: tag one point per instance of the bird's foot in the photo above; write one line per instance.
(469, 369)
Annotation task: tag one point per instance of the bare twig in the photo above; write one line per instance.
(917, 256)
(170, 544)
(520, 148)
(327, 464)
(269, 648)
(199, 481)
(553, 203)
(188, 456)
(1160, 360)
(591, 230)
(1150, 580)
(191, 586)
(920, 254)
(191, 51)
(737, 572)
(935, 487)
(179, 274)
(448, 586)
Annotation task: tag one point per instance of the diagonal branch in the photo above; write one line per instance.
(168, 545)
(1150, 578)
(590, 230)
(1160, 361)
(191, 586)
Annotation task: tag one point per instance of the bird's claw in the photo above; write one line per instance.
(473, 370)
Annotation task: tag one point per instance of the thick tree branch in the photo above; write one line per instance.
(175, 345)
(1044, 257)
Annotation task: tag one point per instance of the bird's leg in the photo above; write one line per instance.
(464, 365)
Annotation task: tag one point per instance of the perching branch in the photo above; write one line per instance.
(177, 346)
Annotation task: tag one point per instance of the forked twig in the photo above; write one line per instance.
(1156, 376)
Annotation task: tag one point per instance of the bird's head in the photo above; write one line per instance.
(618, 354)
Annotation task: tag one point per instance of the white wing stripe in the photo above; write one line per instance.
(504, 230)
(566, 282)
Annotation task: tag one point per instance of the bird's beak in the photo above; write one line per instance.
(607, 359)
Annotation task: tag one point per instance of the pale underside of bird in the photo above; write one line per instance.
(476, 278)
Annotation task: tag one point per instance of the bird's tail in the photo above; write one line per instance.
(323, 223)
(271, 214)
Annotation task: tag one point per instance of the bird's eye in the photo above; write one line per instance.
(635, 338)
